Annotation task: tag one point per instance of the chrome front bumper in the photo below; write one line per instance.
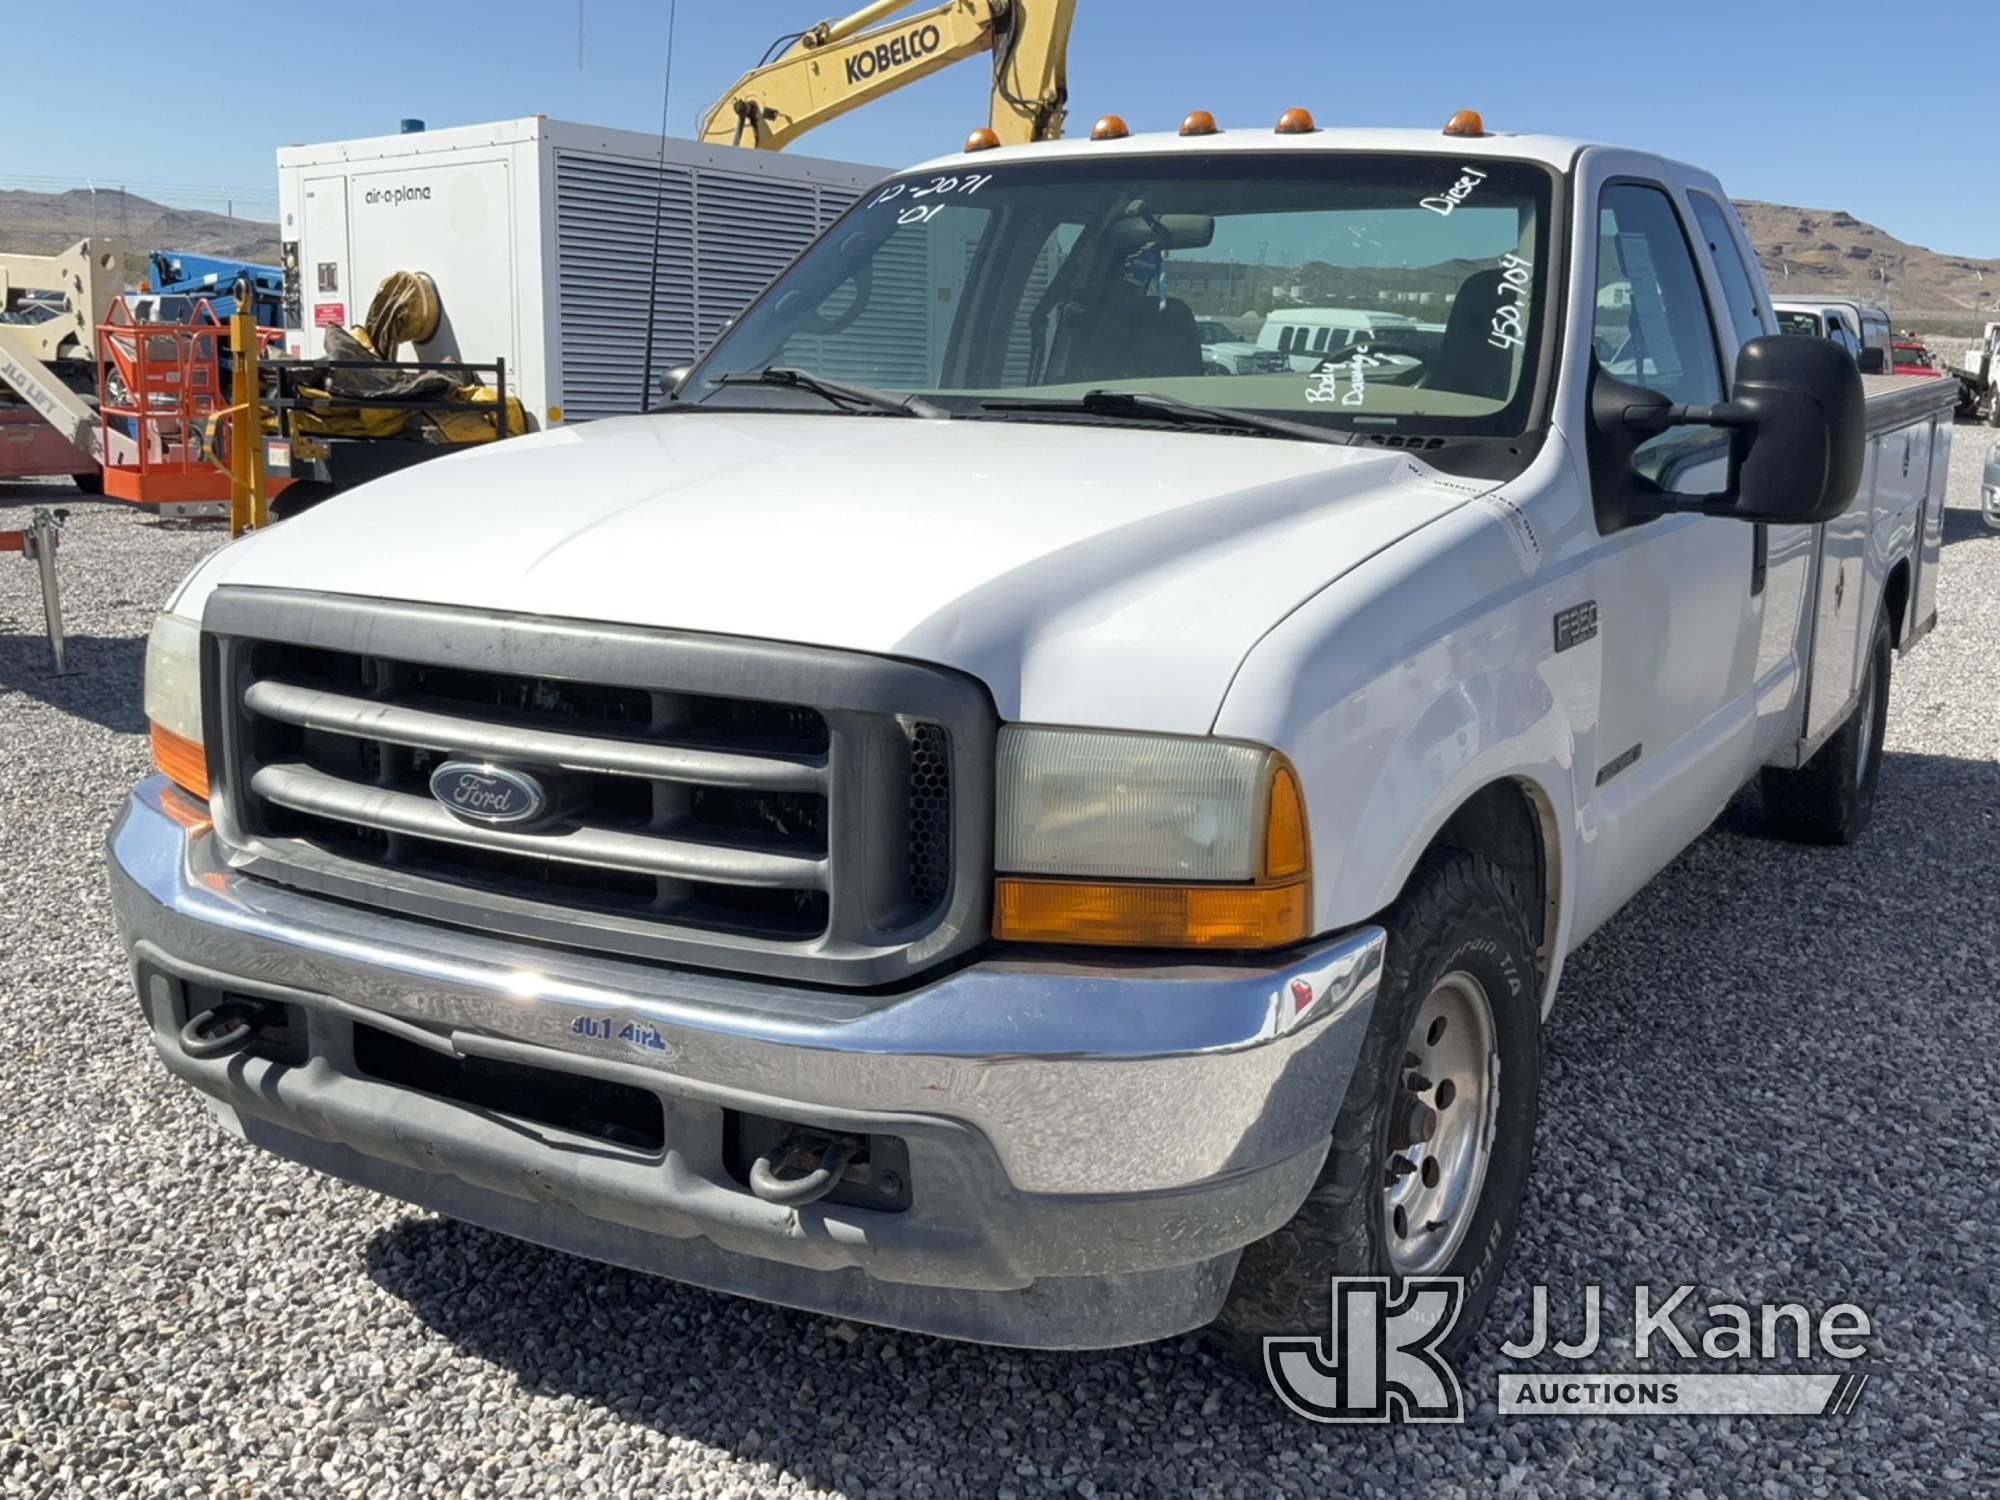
(1089, 1144)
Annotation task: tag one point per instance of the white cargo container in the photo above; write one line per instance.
(538, 234)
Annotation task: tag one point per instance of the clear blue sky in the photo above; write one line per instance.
(1775, 107)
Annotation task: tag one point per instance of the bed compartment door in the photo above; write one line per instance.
(1840, 596)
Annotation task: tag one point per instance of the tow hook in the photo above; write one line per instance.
(833, 1152)
(227, 1027)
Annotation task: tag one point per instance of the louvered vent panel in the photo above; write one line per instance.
(749, 229)
(889, 345)
(605, 210)
(835, 201)
(1019, 358)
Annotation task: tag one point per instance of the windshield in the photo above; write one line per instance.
(1380, 292)
(1798, 322)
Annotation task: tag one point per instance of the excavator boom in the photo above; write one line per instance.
(838, 66)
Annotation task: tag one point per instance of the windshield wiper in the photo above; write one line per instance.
(1151, 406)
(839, 391)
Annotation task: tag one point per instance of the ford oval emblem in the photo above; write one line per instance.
(482, 793)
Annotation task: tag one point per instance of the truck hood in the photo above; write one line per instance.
(1087, 574)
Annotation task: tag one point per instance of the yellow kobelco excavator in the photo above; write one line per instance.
(837, 66)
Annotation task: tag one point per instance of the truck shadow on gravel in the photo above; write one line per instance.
(1865, 971)
(103, 685)
(827, 1403)
(1967, 526)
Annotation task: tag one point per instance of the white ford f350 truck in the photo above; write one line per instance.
(975, 820)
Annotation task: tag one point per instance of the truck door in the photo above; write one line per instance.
(1781, 556)
(1674, 733)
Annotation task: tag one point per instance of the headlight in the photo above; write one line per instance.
(1148, 841)
(173, 700)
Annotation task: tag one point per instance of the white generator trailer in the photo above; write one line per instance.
(540, 238)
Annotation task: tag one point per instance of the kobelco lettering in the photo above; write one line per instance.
(894, 53)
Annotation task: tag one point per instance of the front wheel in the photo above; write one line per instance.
(1432, 1144)
(1830, 798)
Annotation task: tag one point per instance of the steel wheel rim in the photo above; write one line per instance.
(1441, 1126)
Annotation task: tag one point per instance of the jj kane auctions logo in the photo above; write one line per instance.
(1381, 1358)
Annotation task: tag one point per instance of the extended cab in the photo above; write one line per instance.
(976, 820)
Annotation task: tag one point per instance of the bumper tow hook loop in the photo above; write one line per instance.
(225, 1029)
(796, 1192)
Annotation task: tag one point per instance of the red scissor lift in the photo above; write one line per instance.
(158, 385)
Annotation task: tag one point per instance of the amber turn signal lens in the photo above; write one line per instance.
(1465, 122)
(1296, 122)
(1286, 852)
(982, 139)
(182, 761)
(1201, 122)
(1110, 128)
(1151, 916)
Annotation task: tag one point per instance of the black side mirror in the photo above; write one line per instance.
(1873, 361)
(1796, 438)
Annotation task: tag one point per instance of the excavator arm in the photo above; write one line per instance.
(841, 65)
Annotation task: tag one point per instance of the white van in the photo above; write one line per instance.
(1855, 326)
(1308, 334)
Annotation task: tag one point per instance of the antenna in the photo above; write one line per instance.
(659, 209)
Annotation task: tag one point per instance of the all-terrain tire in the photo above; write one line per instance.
(1830, 798)
(1459, 912)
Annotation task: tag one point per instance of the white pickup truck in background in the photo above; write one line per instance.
(980, 819)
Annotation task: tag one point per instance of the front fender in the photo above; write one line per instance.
(1398, 701)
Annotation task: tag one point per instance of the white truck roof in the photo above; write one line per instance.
(1559, 152)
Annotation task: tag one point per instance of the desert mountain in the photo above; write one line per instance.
(1805, 251)
(42, 223)
(1810, 251)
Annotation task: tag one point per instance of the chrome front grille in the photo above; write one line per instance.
(740, 805)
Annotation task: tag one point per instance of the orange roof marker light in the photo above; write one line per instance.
(1465, 122)
(1110, 128)
(982, 139)
(1296, 122)
(1200, 122)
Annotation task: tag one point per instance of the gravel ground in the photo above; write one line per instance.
(1770, 1076)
